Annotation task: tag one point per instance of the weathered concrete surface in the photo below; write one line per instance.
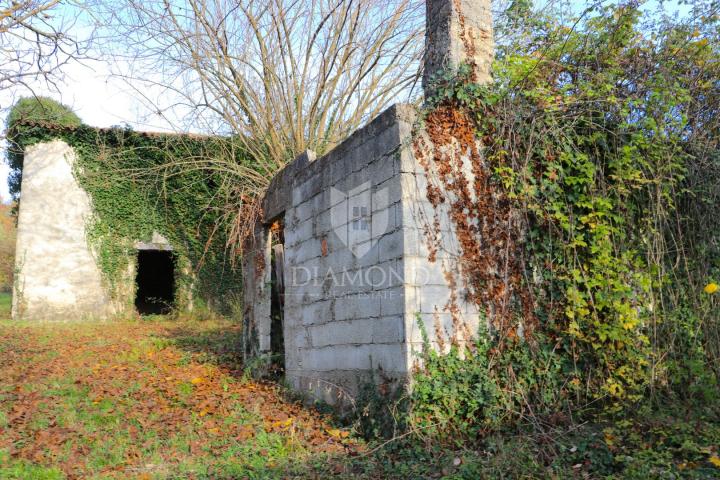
(344, 295)
(256, 294)
(156, 242)
(361, 284)
(57, 277)
(458, 31)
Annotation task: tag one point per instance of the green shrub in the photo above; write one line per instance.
(31, 117)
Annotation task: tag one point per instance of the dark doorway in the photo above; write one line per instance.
(277, 300)
(155, 282)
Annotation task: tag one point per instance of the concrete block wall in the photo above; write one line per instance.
(434, 286)
(57, 277)
(359, 282)
(345, 300)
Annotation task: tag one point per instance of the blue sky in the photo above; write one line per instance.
(103, 100)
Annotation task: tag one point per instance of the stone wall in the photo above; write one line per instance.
(56, 275)
(344, 287)
(372, 265)
(359, 279)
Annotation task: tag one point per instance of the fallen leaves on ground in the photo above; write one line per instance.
(142, 400)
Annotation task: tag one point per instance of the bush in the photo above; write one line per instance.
(24, 118)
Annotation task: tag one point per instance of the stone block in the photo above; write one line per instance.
(392, 301)
(391, 245)
(338, 170)
(305, 210)
(434, 298)
(352, 332)
(384, 221)
(388, 330)
(307, 189)
(298, 233)
(385, 275)
(382, 169)
(358, 305)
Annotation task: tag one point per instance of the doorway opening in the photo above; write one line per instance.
(155, 282)
(277, 299)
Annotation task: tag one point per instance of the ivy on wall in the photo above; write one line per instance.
(139, 184)
(586, 233)
(31, 110)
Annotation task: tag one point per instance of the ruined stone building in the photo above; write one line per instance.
(342, 280)
(57, 276)
(340, 283)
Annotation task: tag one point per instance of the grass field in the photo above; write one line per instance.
(5, 305)
(147, 400)
(160, 399)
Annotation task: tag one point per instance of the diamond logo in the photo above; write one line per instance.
(359, 217)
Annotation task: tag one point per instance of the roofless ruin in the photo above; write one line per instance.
(341, 278)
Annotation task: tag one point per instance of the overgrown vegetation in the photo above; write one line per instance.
(7, 248)
(588, 236)
(591, 232)
(155, 400)
(32, 110)
(140, 184)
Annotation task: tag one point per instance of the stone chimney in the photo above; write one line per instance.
(457, 32)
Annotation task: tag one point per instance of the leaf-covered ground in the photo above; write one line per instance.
(168, 400)
(148, 400)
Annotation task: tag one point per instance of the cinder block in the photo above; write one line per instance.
(382, 169)
(323, 223)
(298, 233)
(353, 332)
(356, 281)
(301, 338)
(433, 298)
(384, 221)
(337, 357)
(339, 169)
(361, 258)
(389, 357)
(385, 275)
(306, 250)
(356, 305)
(426, 219)
(391, 245)
(408, 162)
(422, 272)
(305, 210)
(392, 301)
(388, 330)
(306, 190)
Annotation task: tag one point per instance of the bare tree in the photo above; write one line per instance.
(286, 75)
(37, 43)
(282, 76)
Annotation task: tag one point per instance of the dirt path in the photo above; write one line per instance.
(148, 400)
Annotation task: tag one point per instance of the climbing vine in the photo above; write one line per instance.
(142, 184)
(564, 180)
